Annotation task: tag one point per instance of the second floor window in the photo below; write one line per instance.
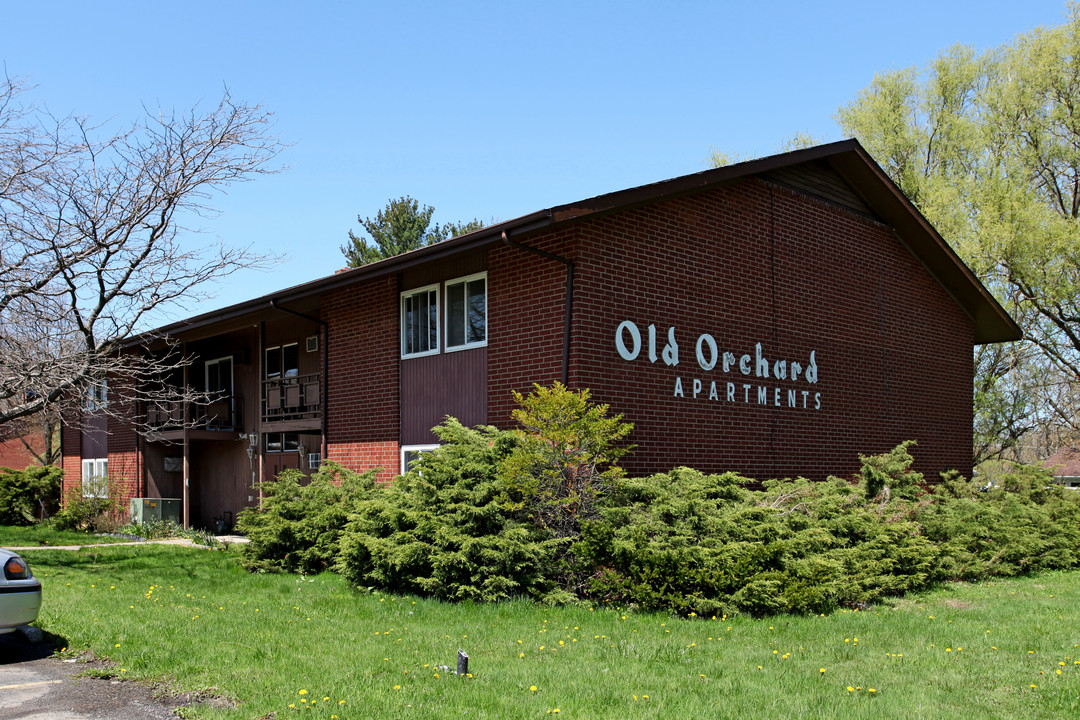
(466, 312)
(219, 378)
(420, 321)
(97, 396)
(465, 301)
(283, 362)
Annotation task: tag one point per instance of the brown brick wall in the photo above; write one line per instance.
(755, 263)
(362, 382)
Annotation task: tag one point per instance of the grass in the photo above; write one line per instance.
(44, 534)
(281, 645)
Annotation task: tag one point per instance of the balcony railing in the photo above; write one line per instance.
(291, 398)
(223, 413)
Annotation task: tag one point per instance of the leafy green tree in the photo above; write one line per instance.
(401, 226)
(986, 146)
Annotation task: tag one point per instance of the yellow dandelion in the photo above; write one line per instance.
(850, 689)
(302, 692)
(532, 688)
(397, 687)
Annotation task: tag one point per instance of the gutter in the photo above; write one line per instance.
(569, 298)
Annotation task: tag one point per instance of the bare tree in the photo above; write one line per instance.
(92, 240)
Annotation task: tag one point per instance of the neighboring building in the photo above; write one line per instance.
(1065, 465)
(777, 318)
(14, 452)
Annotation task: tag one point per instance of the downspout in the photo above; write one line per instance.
(325, 369)
(569, 299)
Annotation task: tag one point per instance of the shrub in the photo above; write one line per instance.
(544, 511)
(688, 542)
(29, 495)
(566, 458)
(446, 530)
(1025, 524)
(298, 525)
(155, 529)
(96, 512)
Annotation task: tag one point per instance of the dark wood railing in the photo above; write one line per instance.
(223, 413)
(291, 398)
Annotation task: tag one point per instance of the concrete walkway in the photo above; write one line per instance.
(222, 539)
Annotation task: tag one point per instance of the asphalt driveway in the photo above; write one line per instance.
(34, 685)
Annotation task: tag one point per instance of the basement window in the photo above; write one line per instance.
(411, 453)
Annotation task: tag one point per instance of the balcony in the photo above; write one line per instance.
(291, 398)
(223, 413)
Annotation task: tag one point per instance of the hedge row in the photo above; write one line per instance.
(682, 541)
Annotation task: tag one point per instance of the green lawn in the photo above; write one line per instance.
(44, 534)
(288, 644)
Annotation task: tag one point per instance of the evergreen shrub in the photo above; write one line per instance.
(540, 512)
(446, 528)
(299, 523)
(30, 495)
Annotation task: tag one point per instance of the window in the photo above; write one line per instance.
(282, 442)
(219, 378)
(420, 321)
(466, 312)
(411, 453)
(95, 474)
(97, 396)
(283, 361)
(466, 316)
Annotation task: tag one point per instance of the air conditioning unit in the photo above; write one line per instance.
(145, 509)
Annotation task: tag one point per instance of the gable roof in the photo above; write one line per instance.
(864, 186)
(1064, 463)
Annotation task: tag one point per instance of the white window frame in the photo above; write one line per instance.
(97, 396)
(438, 319)
(467, 345)
(95, 474)
(412, 449)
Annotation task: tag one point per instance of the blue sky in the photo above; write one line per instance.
(481, 109)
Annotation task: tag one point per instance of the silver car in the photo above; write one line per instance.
(20, 592)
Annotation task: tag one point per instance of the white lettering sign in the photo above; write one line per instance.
(710, 358)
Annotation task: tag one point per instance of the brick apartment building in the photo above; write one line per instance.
(776, 317)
